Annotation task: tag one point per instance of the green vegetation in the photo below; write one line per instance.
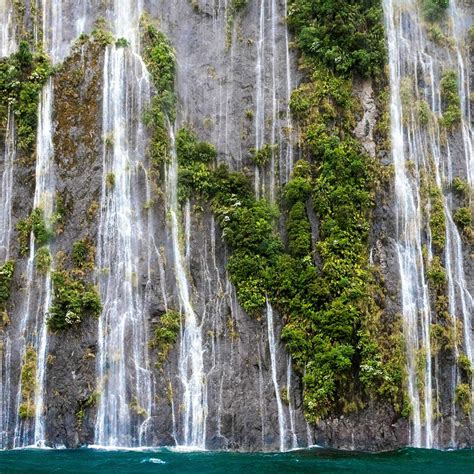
(463, 217)
(43, 260)
(461, 188)
(193, 159)
(323, 307)
(262, 156)
(347, 37)
(35, 223)
(6, 276)
(22, 76)
(137, 408)
(434, 10)
(451, 102)
(463, 398)
(332, 320)
(102, 34)
(28, 383)
(437, 35)
(83, 254)
(423, 112)
(73, 300)
(110, 180)
(166, 335)
(470, 36)
(161, 63)
(432, 193)
(122, 43)
(436, 273)
(234, 7)
(465, 365)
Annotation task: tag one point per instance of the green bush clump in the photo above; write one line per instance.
(465, 365)
(28, 383)
(122, 43)
(461, 187)
(436, 273)
(161, 63)
(463, 217)
(101, 33)
(6, 275)
(432, 193)
(238, 4)
(451, 102)
(189, 150)
(463, 397)
(35, 223)
(347, 37)
(73, 300)
(83, 253)
(193, 159)
(434, 10)
(22, 76)
(166, 334)
(43, 260)
(263, 155)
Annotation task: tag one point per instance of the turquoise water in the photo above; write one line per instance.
(169, 461)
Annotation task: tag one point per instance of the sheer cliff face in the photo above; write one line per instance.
(234, 76)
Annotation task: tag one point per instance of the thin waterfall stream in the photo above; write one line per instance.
(191, 364)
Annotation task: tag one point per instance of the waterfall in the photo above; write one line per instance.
(33, 341)
(191, 363)
(7, 28)
(7, 47)
(44, 198)
(260, 91)
(286, 161)
(273, 361)
(29, 429)
(123, 369)
(9, 156)
(291, 408)
(273, 87)
(420, 154)
(459, 33)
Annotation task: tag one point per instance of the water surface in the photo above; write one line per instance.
(315, 460)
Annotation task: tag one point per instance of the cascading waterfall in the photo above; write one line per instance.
(421, 155)
(33, 340)
(191, 363)
(7, 27)
(124, 376)
(273, 361)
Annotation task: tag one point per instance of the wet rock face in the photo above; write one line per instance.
(71, 379)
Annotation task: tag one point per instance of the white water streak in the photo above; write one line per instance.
(191, 363)
(273, 360)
